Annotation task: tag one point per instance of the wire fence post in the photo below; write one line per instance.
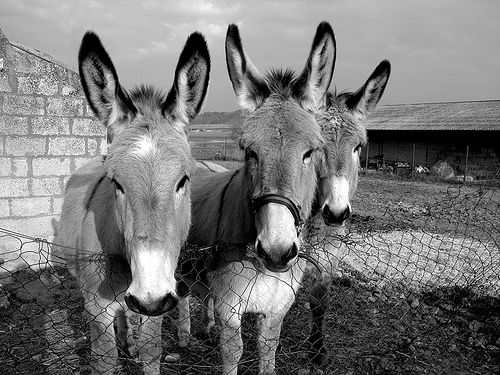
(366, 159)
(466, 162)
(413, 161)
(225, 149)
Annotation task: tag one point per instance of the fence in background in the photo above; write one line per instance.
(216, 150)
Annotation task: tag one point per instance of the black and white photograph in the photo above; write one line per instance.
(249, 187)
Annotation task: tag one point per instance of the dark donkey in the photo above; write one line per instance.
(341, 122)
(266, 201)
(126, 216)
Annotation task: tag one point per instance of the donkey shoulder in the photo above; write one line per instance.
(207, 194)
(79, 190)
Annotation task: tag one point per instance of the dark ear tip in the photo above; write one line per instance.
(232, 28)
(233, 33)
(324, 27)
(90, 42)
(197, 42)
(384, 66)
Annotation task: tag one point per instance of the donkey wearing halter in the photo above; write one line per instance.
(126, 216)
(266, 201)
(341, 122)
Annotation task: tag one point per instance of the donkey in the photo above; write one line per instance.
(265, 202)
(126, 216)
(341, 122)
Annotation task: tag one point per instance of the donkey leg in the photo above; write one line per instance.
(149, 346)
(269, 337)
(208, 315)
(184, 321)
(122, 332)
(231, 343)
(319, 302)
(104, 353)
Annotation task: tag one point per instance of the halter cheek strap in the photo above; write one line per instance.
(258, 202)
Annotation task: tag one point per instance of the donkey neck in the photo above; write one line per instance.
(221, 209)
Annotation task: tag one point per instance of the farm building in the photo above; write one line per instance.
(465, 134)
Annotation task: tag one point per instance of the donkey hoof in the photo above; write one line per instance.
(316, 351)
(318, 356)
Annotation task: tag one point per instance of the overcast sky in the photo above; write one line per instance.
(440, 50)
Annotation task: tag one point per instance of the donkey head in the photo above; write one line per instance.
(342, 127)
(282, 141)
(149, 164)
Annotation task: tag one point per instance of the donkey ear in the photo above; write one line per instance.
(248, 84)
(363, 101)
(192, 74)
(312, 84)
(108, 100)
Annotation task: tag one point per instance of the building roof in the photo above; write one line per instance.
(474, 115)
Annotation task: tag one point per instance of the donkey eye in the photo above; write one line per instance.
(118, 186)
(252, 155)
(307, 156)
(182, 183)
(358, 148)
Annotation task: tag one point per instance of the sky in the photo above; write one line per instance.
(440, 50)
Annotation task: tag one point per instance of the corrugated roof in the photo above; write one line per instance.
(475, 115)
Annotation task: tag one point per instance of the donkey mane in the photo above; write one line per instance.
(281, 82)
(147, 99)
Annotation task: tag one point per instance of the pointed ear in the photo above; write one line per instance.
(312, 84)
(248, 84)
(108, 100)
(363, 101)
(192, 74)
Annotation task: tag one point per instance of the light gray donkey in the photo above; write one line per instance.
(266, 201)
(341, 120)
(126, 216)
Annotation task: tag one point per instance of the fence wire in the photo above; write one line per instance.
(414, 290)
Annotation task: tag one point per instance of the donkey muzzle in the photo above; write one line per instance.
(334, 217)
(282, 263)
(154, 308)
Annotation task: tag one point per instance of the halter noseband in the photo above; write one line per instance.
(258, 202)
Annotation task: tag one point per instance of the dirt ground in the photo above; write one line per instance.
(388, 328)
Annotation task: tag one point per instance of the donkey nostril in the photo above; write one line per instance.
(260, 250)
(133, 303)
(292, 253)
(347, 214)
(327, 213)
(168, 303)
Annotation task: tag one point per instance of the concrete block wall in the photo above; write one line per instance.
(47, 131)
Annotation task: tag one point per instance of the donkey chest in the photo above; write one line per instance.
(240, 284)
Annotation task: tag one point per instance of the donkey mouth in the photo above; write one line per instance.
(281, 265)
(160, 307)
(277, 268)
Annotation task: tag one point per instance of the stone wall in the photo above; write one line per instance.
(46, 132)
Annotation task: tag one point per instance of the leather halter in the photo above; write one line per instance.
(295, 209)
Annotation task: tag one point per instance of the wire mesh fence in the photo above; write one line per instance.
(216, 150)
(413, 290)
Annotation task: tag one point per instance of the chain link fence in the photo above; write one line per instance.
(415, 291)
(216, 150)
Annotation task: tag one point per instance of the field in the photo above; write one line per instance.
(416, 293)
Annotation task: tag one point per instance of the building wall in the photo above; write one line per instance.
(433, 146)
(46, 132)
